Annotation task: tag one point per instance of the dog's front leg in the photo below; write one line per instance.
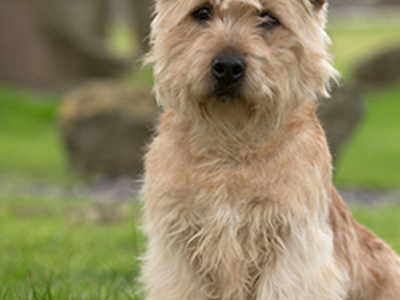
(167, 274)
(305, 270)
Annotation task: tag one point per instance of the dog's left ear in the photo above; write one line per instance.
(318, 4)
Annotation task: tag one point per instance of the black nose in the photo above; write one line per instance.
(228, 69)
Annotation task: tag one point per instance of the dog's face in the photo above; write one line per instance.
(264, 56)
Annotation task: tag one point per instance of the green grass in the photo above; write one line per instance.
(371, 157)
(355, 42)
(383, 221)
(54, 250)
(30, 146)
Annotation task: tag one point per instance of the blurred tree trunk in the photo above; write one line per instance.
(140, 16)
(100, 17)
(41, 48)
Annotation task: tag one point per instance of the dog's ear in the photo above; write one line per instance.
(318, 4)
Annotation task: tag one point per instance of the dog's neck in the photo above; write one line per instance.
(207, 138)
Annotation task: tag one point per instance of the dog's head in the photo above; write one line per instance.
(262, 56)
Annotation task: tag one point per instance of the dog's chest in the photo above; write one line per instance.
(230, 245)
(228, 223)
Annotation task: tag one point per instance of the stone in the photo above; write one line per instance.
(105, 126)
(381, 70)
(340, 115)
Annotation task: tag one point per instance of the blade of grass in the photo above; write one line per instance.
(5, 294)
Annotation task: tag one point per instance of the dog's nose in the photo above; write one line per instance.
(228, 69)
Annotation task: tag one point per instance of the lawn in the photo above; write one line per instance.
(30, 145)
(371, 158)
(55, 249)
(52, 249)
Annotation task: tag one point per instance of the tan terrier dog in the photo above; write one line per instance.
(239, 199)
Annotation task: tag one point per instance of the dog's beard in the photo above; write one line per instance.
(226, 94)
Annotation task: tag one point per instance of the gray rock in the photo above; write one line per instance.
(380, 70)
(105, 126)
(340, 115)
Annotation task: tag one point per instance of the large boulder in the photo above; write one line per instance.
(381, 70)
(340, 115)
(105, 126)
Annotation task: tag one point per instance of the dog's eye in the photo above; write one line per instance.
(268, 21)
(203, 14)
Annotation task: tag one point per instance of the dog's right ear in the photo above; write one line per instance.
(318, 4)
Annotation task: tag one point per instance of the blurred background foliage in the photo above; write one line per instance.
(63, 235)
(32, 148)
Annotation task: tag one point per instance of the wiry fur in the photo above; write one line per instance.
(239, 199)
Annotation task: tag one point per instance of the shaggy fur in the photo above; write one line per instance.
(239, 199)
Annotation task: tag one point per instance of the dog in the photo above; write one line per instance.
(239, 200)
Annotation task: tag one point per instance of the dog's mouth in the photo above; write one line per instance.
(228, 93)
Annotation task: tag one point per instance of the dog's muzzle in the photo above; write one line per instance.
(228, 72)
